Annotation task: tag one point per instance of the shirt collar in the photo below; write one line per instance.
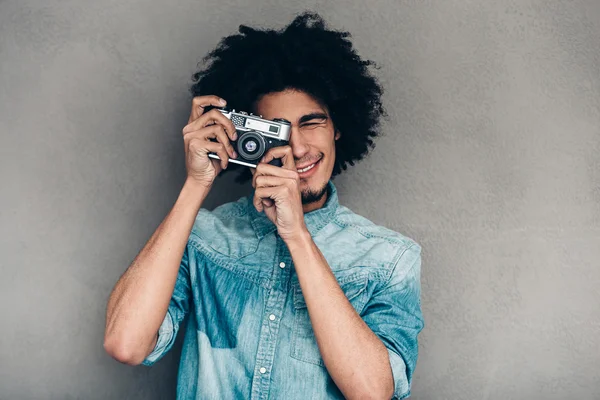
(314, 220)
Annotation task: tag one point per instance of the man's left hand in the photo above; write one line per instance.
(278, 193)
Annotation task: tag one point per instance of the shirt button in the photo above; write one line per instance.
(282, 264)
(263, 370)
(272, 317)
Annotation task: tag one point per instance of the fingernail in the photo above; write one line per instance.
(222, 101)
(234, 154)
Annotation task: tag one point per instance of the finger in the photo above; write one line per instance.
(268, 194)
(215, 132)
(271, 170)
(217, 165)
(268, 202)
(268, 169)
(200, 102)
(202, 146)
(218, 148)
(210, 118)
(269, 181)
(199, 144)
(217, 117)
(283, 152)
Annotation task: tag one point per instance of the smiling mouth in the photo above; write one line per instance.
(308, 167)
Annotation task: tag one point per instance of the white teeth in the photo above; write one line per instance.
(307, 168)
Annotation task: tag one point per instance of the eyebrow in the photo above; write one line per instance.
(311, 116)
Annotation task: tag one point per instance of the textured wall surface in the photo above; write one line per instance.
(490, 160)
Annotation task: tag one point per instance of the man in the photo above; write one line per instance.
(288, 294)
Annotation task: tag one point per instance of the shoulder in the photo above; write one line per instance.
(220, 216)
(349, 220)
(358, 240)
(227, 229)
(224, 211)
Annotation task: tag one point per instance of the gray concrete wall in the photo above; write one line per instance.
(490, 160)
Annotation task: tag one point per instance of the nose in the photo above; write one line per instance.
(298, 143)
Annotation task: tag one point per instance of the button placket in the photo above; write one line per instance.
(271, 324)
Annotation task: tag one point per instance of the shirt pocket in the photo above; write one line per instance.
(304, 344)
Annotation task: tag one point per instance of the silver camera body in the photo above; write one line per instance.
(255, 136)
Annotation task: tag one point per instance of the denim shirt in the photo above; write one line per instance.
(249, 334)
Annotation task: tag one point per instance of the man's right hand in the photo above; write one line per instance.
(197, 133)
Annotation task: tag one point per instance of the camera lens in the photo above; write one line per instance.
(251, 145)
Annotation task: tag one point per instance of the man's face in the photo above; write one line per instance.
(312, 138)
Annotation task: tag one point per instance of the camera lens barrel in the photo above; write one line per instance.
(251, 145)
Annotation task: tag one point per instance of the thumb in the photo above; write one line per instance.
(217, 165)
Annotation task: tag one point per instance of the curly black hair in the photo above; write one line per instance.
(305, 56)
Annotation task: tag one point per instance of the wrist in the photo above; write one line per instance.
(302, 239)
(194, 189)
(196, 185)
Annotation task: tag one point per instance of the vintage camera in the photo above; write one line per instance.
(255, 136)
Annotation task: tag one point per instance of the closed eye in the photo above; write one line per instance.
(313, 124)
(305, 120)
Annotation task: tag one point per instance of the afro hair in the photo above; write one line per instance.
(305, 56)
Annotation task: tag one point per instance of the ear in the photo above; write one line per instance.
(337, 134)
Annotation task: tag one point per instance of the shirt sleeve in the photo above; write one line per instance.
(178, 309)
(394, 314)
